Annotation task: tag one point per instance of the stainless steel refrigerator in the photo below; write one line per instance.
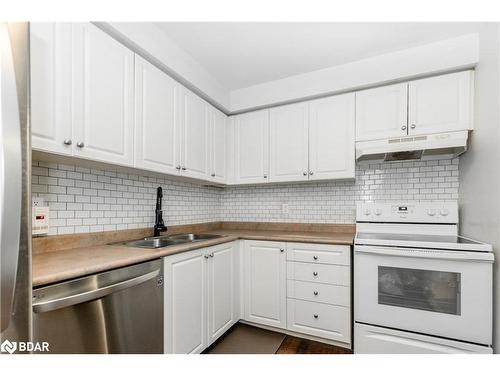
(15, 186)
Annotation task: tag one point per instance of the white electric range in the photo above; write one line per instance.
(419, 287)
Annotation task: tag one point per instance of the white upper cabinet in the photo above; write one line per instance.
(156, 119)
(194, 136)
(51, 121)
(288, 145)
(265, 283)
(381, 112)
(218, 144)
(441, 104)
(331, 138)
(251, 148)
(103, 94)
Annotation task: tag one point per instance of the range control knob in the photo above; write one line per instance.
(444, 212)
(367, 211)
(431, 212)
(378, 212)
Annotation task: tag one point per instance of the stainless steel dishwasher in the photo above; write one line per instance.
(119, 311)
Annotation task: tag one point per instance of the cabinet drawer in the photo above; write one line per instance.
(319, 319)
(319, 273)
(318, 253)
(316, 292)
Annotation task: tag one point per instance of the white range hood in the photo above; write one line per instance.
(418, 147)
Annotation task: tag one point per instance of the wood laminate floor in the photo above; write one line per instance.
(246, 339)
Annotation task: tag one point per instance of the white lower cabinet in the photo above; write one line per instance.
(200, 297)
(265, 283)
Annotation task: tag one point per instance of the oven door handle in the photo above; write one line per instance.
(58, 303)
(425, 253)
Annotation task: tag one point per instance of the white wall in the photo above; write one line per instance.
(479, 192)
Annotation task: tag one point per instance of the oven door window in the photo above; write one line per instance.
(435, 291)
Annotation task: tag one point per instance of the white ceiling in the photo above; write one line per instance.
(244, 54)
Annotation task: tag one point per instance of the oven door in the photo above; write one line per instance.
(441, 293)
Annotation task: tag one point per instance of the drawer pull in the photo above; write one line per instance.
(315, 257)
(316, 293)
(282, 250)
(315, 274)
(315, 316)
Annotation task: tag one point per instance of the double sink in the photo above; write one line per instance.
(164, 241)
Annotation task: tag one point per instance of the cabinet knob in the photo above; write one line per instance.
(403, 127)
(213, 175)
(206, 256)
(80, 145)
(282, 250)
(178, 167)
(183, 168)
(315, 257)
(315, 274)
(413, 126)
(211, 255)
(311, 173)
(316, 293)
(304, 173)
(265, 176)
(68, 142)
(316, 316)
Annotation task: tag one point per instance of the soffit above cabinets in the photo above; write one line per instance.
(239, 67)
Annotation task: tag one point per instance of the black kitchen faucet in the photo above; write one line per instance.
(159, 225)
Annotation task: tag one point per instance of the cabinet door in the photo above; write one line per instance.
(381, 112)
(156, 119)
(331, 138)
(265, 283)
(185, 302)
(51, 123)
(441, 104)
(194, 159)
(218, 146)
(221, 290)
(288, 146)
(251, 147)
(103, 110)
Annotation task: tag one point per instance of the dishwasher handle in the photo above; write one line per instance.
(90, 295)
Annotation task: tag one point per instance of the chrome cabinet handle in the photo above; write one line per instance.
(282, 250)
(304, 173)
(316, 316)
(265, 176)
(184, 168)
(213, 175)
(315, 257)
(80, 145)
(316, 293)
(413, 126)
(211, 255)
(311, 173)
(68, 142)
(315, 274)
(206, 256)
(178, 167)
(403, 127)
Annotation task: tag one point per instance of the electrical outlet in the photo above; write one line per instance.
(37, 202)
(285, 209)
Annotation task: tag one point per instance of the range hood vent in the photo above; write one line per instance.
(422, 147)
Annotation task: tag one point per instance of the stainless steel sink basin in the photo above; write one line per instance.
(164, 241)
(153, 243)
(191, 237)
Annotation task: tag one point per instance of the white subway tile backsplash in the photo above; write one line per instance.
(88, 200)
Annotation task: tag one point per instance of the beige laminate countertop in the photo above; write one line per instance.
(61, 265)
